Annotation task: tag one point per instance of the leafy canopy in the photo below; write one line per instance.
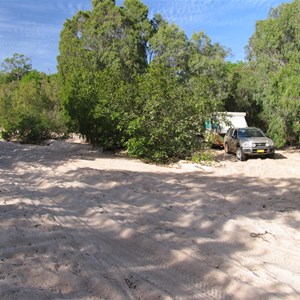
(274, 53)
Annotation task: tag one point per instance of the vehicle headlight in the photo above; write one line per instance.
(246, 144)
(270, 143)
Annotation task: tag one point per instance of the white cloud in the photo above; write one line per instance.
(32, 27)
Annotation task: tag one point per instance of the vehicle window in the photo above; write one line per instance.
(234, 134)
(250, 132)
(242, 133)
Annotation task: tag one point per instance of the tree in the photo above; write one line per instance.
(274, 53)
(185, 83)
(17, 66)
(140, 83)
(207, 74)
(168, 123)
(30, 108)
(169, 48)
(243, 93)
(102, 52)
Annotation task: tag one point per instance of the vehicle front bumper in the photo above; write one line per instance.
(257, 151)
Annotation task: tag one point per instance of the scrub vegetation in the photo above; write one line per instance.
(126, 81)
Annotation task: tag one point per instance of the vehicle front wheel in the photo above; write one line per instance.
(240, 155)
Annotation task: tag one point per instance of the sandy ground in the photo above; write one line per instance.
(80, 224)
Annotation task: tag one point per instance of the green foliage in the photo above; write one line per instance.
(102, 52)
(139, 83)
(274, 54)
(167, 125)
(169, 48)
(127, 81)
(171, 114)
(30, 108)
(204, 155)
(33, 127)
(244, 93)
(17, 66)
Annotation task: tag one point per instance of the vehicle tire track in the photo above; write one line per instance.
(144, 250)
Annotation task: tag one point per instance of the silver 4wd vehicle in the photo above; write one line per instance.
(248, 141)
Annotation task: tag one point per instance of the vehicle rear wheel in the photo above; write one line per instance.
(240, 155)
(226, 148)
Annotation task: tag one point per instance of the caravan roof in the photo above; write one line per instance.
(225, 120)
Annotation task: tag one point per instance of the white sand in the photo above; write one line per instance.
(80, 224)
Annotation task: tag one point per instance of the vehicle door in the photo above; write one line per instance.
(233, 140)
(227, 138)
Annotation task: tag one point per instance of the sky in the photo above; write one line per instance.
(32, 27)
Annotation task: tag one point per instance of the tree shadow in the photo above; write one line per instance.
(126, 234)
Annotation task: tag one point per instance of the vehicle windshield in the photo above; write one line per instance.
(250, 132)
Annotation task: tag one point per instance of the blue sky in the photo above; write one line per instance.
(32, 27)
